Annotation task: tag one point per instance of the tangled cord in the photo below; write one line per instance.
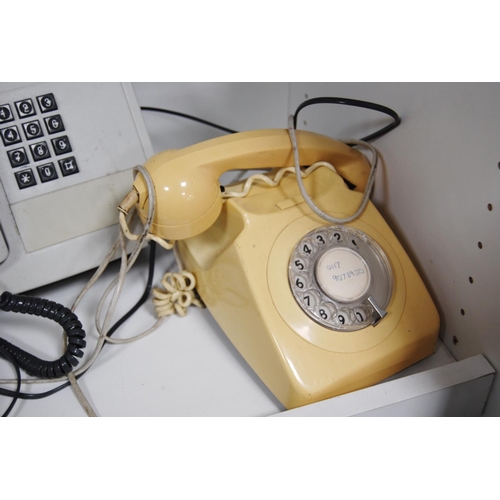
(177, 296)
(56, 312)
(274, 181)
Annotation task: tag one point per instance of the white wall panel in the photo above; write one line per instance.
(239, 106)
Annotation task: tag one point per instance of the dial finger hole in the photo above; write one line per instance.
(324, 311)
(307, 248)
(361, 315)
(310, 299)
(343, 317)
(299, 264)
(301, 282)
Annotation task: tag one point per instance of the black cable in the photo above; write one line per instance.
(140, 302)
(356, 103)
(317, 100)
(145, 295)
(5, 354)
(190, 117)
(68, 320)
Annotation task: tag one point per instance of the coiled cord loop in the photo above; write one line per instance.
(60, 314)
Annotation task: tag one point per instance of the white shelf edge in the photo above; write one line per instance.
(402, 390)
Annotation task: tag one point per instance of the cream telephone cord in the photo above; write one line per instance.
(305, 195)
(300, 174)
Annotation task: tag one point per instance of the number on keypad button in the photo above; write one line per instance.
(61, 145)
(10, 135)
(5, 113)
(54, 124)
(17, 157)
(40, 151)
(47, 172)
(47, 103)
(25, 108)
(32, 130)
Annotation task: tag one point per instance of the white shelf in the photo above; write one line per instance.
(450, 389)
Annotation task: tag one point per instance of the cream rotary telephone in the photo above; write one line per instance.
(317, 308)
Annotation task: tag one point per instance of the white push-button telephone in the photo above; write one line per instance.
(316, 308)
(67, 151)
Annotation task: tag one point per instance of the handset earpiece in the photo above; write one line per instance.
(188, 199)
(188, 195)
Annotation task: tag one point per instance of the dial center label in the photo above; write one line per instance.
(343, 274)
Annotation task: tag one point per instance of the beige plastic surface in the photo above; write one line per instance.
(187, 181)
(241, 266)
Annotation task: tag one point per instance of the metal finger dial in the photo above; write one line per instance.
(341, 278)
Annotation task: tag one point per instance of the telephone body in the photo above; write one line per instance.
(67, 153)
(317, 310)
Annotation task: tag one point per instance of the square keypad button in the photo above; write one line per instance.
(68, 166)
(17, 157)
(47, 172)
(32, 130)
(10, 135)
(25, 108)
(61, 145)
(40, 151)
(5, 113)
(54, 124)
(25, 179)
(47, 102)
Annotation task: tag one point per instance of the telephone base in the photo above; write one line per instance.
(241, 266)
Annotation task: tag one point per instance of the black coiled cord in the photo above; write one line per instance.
(56, 312)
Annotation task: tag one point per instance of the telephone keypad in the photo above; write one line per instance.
(25, 133)
(334, 273)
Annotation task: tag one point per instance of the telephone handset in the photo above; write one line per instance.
(188, 192)
(316, 309)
